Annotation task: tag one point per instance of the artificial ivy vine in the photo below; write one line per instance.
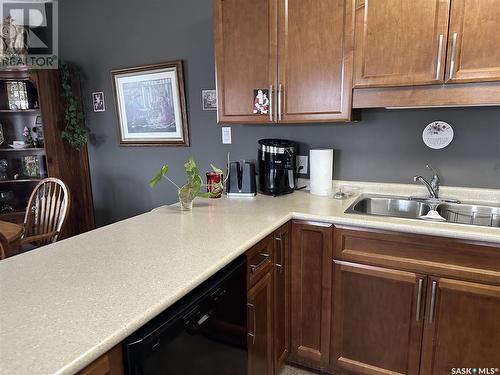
(75, 131)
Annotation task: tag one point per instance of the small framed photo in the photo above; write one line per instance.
(209, 100)
(151, 105)
(98, 101)
(30, 166)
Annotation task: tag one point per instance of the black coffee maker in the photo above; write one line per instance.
(276, 166)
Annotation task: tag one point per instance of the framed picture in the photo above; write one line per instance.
(98, 101)
(30, 166)
(151, 105)
(209, 100)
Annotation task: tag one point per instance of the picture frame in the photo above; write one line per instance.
(209, 100)
(151, 105)
(30, 166)
(98, 103)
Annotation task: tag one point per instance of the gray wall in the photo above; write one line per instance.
(385, 146)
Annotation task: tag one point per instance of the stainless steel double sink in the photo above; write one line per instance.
(410, 208)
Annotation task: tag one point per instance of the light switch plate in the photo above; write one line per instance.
(226, 135)
(301, 161)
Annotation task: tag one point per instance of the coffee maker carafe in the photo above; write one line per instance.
(276, 166)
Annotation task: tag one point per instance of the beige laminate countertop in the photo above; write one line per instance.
(64, 305)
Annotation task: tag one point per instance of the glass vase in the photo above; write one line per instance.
(186, 201)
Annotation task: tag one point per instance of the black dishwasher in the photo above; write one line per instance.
(202, 334)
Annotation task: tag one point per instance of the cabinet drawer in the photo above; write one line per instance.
(438, 256)
(260, 260)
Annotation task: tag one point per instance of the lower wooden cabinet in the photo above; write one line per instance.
(367, 302)
(110, 363)
(282, 241)
(462, 328)
(406, 320)
(378, 319)
(311, 294)
(268, 302)
(260, 327)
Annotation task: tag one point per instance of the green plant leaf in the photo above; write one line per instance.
(204, 195)
(190, 165)
(75, 133)
(159, 175)
(216, 169)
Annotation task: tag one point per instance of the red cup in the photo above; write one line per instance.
(213, 178)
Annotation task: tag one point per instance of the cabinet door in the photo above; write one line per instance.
(245, 57)
(474, 41)
(260, 330)
(378, 319)
(462, 329)
(281, 296)
(315, 44)
(400, 42)
(311, 294)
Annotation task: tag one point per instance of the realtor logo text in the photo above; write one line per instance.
(474, 370)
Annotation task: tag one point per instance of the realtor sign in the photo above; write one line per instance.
(28, 34)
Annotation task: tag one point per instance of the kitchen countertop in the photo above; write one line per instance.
(64, 305)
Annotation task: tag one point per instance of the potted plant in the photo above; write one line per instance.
(191, 189)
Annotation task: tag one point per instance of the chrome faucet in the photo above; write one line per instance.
(432, 186)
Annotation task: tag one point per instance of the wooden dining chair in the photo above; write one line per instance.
(4, 247)
(46, 213)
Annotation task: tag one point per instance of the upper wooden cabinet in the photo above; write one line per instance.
(299, 50)
(474, 41)
(314, 60)
(245, 55)
(400, 42)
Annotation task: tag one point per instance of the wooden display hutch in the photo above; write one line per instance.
(41, 110)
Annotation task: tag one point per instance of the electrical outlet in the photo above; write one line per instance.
(226, 135)
(301, 164)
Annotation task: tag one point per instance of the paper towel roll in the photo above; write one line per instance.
(321, 162)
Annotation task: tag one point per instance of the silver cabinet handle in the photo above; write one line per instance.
(279, 101)
(271, 103)
(280, 264)
(255, 267)
(453, 51)
(419, 299)
(440, 56)
(252, 335)
(433, 301)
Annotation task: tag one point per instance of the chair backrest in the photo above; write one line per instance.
(4, 246)
(47, 210)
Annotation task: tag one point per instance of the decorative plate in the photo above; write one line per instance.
(438, 135)
(19, 146)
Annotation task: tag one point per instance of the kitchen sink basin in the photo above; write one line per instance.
(389, 206)
(402, 207)
(470, 214)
